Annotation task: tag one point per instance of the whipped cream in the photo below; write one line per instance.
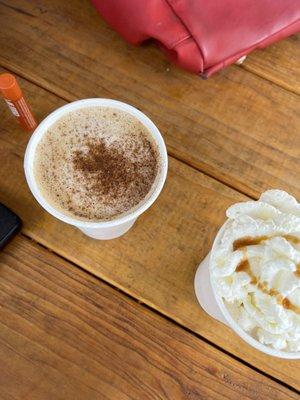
(255, 268)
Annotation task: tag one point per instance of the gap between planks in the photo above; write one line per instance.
(162, 315)
(266, 78)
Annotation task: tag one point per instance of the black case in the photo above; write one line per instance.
(10, 225)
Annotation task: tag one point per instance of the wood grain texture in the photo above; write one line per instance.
(237, 127)
(66, 335)
(156, 261)
(278, 63)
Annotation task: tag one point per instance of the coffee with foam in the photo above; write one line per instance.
(255, 268)
(97, 163)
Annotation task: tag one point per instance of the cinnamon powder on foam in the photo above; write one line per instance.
(96, 163)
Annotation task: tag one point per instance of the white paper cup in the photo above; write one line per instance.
(107, 229)
(216, 308)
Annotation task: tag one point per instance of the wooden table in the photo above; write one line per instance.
(85, 319)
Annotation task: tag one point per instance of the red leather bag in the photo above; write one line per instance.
(203, 36)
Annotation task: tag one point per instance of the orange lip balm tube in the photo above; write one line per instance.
(14, 98)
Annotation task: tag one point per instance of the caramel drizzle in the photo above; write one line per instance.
(292, 239)
(244, 266)
(248, 241)
(251, 241)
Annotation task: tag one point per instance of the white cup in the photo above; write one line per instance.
(107, 229)
(215, 307)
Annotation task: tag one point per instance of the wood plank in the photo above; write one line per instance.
(279, 63)
(66, 335)
(236, 127)
(156, 261)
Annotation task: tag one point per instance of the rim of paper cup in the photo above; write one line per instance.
(76, 105)
(233, 324)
